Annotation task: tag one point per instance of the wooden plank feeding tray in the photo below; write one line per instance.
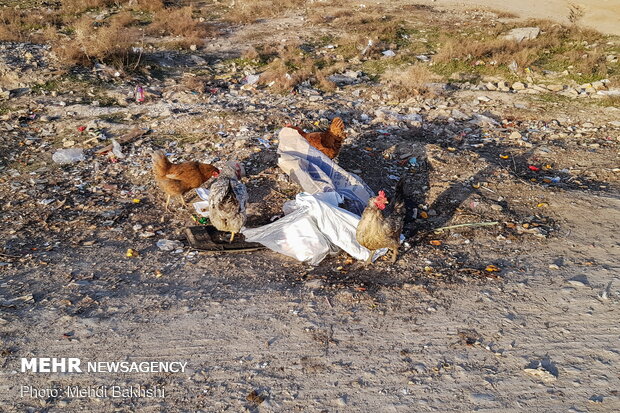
(207, 238)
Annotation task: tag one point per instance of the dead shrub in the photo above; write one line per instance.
(110, 44)
(248, 11)
(293, 67)
(80, 6)
(409, 81)
(180, 22)
(23, 25)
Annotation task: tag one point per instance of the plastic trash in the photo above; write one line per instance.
(389, 53)
(169, 245)
(264, 142)
(202, 207)
(317, 174)
(251, 79)
(116, 149)
(368, 46)
(66, 156)
(139, 94)
(311, 231)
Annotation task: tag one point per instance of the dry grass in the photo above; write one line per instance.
(405, 82)
(292, 67)
(80, 6)
(248, 11)
(180, 22)
(111, 44)
(556, 48)
(502, 14)
(78, 39)
(23, 25)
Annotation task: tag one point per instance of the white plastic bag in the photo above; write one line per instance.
(317, 174)
(312, 230)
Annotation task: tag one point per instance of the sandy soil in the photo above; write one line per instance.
(602, 15)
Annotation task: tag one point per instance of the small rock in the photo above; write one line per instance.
(515, 136)
(518, 86)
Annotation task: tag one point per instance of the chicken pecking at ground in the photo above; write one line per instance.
(330, 141)
(228, 199)
(177, 179)
(381, 226)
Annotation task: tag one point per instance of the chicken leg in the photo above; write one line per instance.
(167, 202)
(394, 254)
(369, 260)
(232, 237)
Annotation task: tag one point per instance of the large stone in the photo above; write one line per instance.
(518, 86)
(503, 86)
(522, 33)
(555, 88)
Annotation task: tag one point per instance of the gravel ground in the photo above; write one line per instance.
(437, 331)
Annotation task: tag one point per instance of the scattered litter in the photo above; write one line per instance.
(534, 168)
(116, 149)
(389, 53)
(126, 138)
(413, 161)
(169, 245)
(492, 268)
(139, 94)
(368, 46)
(264, 142)
(202, 207)
(66, 156)
(131, 253)
(251, 79)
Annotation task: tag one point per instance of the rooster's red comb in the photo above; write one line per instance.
(381, 194)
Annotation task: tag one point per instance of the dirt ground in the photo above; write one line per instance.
(440, 330)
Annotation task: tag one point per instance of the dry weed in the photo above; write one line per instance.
(180, 22)
(248, 11)
(409, 81)
(111, 44)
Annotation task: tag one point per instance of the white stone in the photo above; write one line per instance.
(522, 33)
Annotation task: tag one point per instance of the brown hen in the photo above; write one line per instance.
(177, 179)
(330, 141)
